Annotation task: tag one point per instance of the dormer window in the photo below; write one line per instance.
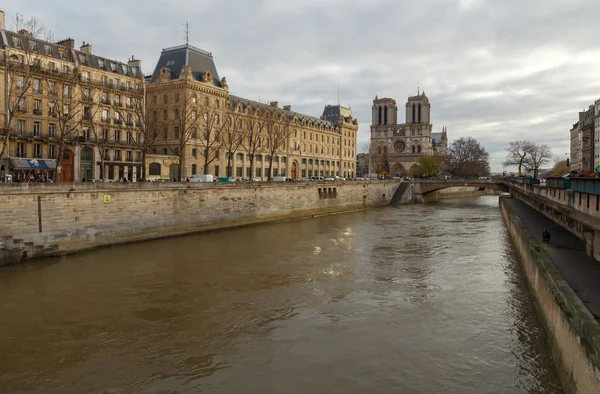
(82, 58)
(61, 52)
(33, 46)
(134, 71)
(125, 69)
(101, 63)
(113, 66)
(17, 42)
(48, 50)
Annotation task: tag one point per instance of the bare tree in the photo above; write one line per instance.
(517, 153)
(65, 102)
(18, 79)
(468, 157)
(212, 125)
(277, 132)
(254, 141)
(185, 132)
(33, 26)
(233, 135)
(142, 125)
(539, 156)
(90, 123)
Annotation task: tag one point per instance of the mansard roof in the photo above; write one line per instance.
(28, 43)
(175, 58)
(299, 116)
(332, 113)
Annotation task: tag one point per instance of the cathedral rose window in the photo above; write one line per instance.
(399, 146)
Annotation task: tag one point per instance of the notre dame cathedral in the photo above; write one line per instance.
(403, 143)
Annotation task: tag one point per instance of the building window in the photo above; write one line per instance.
(194, 169)
(217, 172)
(37, 150)
(239, 156)
(165, 99)
(194, 153)
(165, 114)
(117, 135)
(21, 126)
(176, 131)
(20, 149)
(176, 112)
(52, 151)
(218, 104)
(165, 151)
(118, 156)
(239, 172)
(36, 129)
(52, 130)
(37, 86)
(259, 172)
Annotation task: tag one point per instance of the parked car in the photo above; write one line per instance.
(278, 179)
(225, 179)
(329, 178)
(339, 178)
(94, 180)
(201, 178)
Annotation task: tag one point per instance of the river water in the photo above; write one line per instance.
(409, 299)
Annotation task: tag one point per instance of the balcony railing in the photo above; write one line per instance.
(118, 121)
(37, 111)
(105, 120)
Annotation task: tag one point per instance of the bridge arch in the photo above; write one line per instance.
(398, 169)
(426, 187)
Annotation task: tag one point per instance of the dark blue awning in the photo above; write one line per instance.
(19, 163)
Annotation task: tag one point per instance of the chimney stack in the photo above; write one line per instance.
(68, 43)
(133, 62)
(274, 104)
(287, 107)
(1, 20)
(86, 48)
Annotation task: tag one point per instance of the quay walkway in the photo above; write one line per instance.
(567, 252)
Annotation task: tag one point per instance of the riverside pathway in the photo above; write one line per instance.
(567, 252)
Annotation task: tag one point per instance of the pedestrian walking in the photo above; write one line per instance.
(546, 236)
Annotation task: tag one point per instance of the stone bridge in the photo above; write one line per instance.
(424, 187)
(419, 190)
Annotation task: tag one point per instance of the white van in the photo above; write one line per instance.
(201, 178)
(278, 179)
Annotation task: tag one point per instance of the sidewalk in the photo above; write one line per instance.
(567, 252)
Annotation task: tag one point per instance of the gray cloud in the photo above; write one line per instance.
(493, 70)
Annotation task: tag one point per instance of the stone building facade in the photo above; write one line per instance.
(401, 144)
(58, 96)
(195, 109)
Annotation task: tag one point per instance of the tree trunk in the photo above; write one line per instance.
(182, 167)
(251, 167)
(229, 172)
(206, 153)
(143, 164)
(61, 148)
(270, 169)
(101, 165)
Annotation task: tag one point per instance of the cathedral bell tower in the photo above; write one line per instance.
(418, 109)
(385, 112)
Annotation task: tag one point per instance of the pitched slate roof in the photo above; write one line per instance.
(175, 58)
(28, 43)
(332, 113)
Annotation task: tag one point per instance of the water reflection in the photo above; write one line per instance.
(419, 299)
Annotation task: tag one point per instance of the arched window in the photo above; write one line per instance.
(419, 149)
(419, 113)
(154, 169)
(385, 115)
(239, 156)
(414, 149)
(414, 113)
(379, 110)
(87, 154)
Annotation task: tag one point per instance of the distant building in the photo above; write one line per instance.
(586, 123)
(597, 133)
(401, 144)
(576, 146)
(362, 164)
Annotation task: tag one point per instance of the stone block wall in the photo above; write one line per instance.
(46, 219)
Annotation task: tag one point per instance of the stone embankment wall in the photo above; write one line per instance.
(52, 219)
(455, 192)
(573, 332)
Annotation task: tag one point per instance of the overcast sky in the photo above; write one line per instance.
(496, 70)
